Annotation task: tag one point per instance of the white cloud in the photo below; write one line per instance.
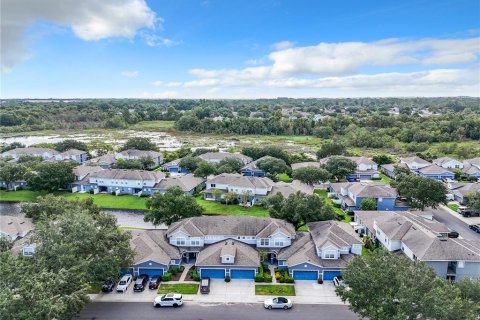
(282, 45)
(89, 20)
(153, 40)
(129, 74)
(159, 83)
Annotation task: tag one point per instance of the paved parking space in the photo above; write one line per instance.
(146, 295)
(234, 291)
(308, 291)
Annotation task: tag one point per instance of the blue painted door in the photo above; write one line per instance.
(305, 275)
(212, 273)
(329, 275)
(242, 274)
(173, 170)
(150, 271)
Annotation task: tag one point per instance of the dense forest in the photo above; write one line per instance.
(227, 116)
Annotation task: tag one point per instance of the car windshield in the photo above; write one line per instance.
(123, 282)
(153, 280)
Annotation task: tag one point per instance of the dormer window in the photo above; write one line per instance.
(264, 242)
(329, 254)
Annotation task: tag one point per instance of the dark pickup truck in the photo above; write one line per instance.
(467, 212)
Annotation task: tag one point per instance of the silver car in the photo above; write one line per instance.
(278, 303)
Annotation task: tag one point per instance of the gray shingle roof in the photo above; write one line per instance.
(219, 156)
(84, 170)
(31, 151)
(339, 233)
(441, 161)
(152, 245)
(391, 166)
(463, 189)
(128, 174)
(231, 225)
(287, 189)
(140, 153)
(366, 189)
(238, 180)
(186, 182)
(72, 152)
(433, 169)
(299, 165)
(409, 160)
(245, 255)
(107, 159)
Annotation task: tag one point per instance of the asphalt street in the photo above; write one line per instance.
(445, 217)
(196, 311)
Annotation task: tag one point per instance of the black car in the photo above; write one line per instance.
(154, 282)
(475, 227)
(140, 282)
(453, 234)
(205, 285)
(108, 285)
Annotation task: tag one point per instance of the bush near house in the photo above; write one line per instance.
(167, 276)
(262, 275)
(282, 276)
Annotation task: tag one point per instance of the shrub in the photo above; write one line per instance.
(350, 213)
(227, 279)
(112, 193)
(288, 279)
(144, 195)
(337, 205)
(268, 278)
(472, 179)
(90, 191)
(259, 278)
(264, 266)
(167, 276)
(181, 268)
(278, 275)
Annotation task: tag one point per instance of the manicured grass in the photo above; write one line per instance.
(212, 207)
(365, 252)
(385, 178)
(284, 177)
(453, 206)
(182, 288)
(19, 196)
(323, 194)
(273, 290)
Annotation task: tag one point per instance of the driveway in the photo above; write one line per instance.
(146, 295)
(310, 292)
(234, 291)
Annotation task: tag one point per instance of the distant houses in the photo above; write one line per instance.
(108, 160)
(45, 153)
(210, 157)
(423, 240)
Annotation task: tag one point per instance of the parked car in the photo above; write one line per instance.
(154, 282)
(108, 285)
(205, 285)
(141, 282)
(475, 227)
(124, 283)
(168, 300)
(278, 303)
(467, 212)
(453, 234)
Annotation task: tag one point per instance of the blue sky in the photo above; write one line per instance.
(239, 49)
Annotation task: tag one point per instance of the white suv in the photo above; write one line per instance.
(123, 284)
(168, 300)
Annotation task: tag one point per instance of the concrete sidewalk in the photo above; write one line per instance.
(236, 291)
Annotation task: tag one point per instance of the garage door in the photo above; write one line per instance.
(329, 275)
(150, 271)
(305, 275)
(364, 177)
(173, 170)
(242, 274)
(212, 273)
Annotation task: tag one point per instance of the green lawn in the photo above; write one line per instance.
(365, 252)
(284, 177)
(453, 206)
(274, 290)
(385, 178)
(153, 125)
(323, 194)
(19, 196)
(182, 288)
(212, 207)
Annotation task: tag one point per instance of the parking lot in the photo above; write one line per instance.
(307, 292)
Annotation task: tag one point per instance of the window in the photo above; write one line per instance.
(213, 185)
(195, 242)
(329, 254)
(461, 264)
(264, 242)
(278, 242)
(180, 241)
(227, 259)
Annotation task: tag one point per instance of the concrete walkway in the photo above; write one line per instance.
(272, 272)
(185, 271)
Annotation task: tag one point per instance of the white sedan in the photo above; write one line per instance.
(278, 303)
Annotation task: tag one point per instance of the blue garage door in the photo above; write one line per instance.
(173, 170)
(212, 273)
(150, 271)
(305, 275)
(329, 275)
(242, 274)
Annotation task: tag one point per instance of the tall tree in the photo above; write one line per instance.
(421, 192)
(172, 206)
(230, 165)
(368, 204)
(299, 208)
(331, 149)
(11, 172)
(311, 175)
(382, 159)
(273, 166)
(70, 144)
(51, 176)
(474, 201)
(190, 163)
(384, 286)
(49, 207)
(140, 143)
(340, 167)
(204, 169)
